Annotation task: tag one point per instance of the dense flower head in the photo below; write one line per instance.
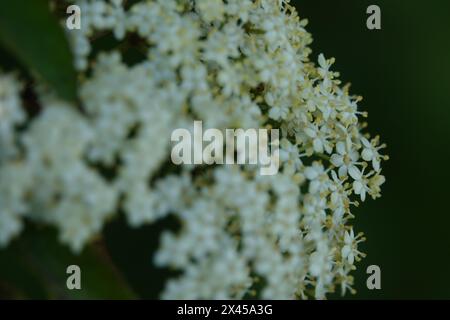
(231, 64)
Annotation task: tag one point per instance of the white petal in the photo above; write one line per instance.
(366, 142)
(354, 172)
(363, 195)
(358, 187)
(311, 173)
(337, 160)
(310, 132)
(340, 148)
(338, 214)
(342, 171)
(318, 145)
(376, 164)
(345, 251)
(314, 186)
(328, 148)
(351, 258)
(347, 238)
(275, 113)
(354, 156)
(367, 154)
(322, 61)
(334, 198)
(333, 175)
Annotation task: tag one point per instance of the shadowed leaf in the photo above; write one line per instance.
(34, 36)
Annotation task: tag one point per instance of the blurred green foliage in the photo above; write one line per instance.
(30, 32)
(35, 267)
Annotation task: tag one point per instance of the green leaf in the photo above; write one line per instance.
(132, 250)
(34, 36)
(34, 266)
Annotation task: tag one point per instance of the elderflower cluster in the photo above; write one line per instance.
(231, 64)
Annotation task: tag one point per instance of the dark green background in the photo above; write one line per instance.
(402, 71)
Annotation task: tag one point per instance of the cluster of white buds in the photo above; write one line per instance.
(231, 64)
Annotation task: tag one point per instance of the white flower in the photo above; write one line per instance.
(279, 112)
(350, 249)
(319, 138)
(211, 10)
(290, 154)
(360, 185)
(370, 152)
(344, 158)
